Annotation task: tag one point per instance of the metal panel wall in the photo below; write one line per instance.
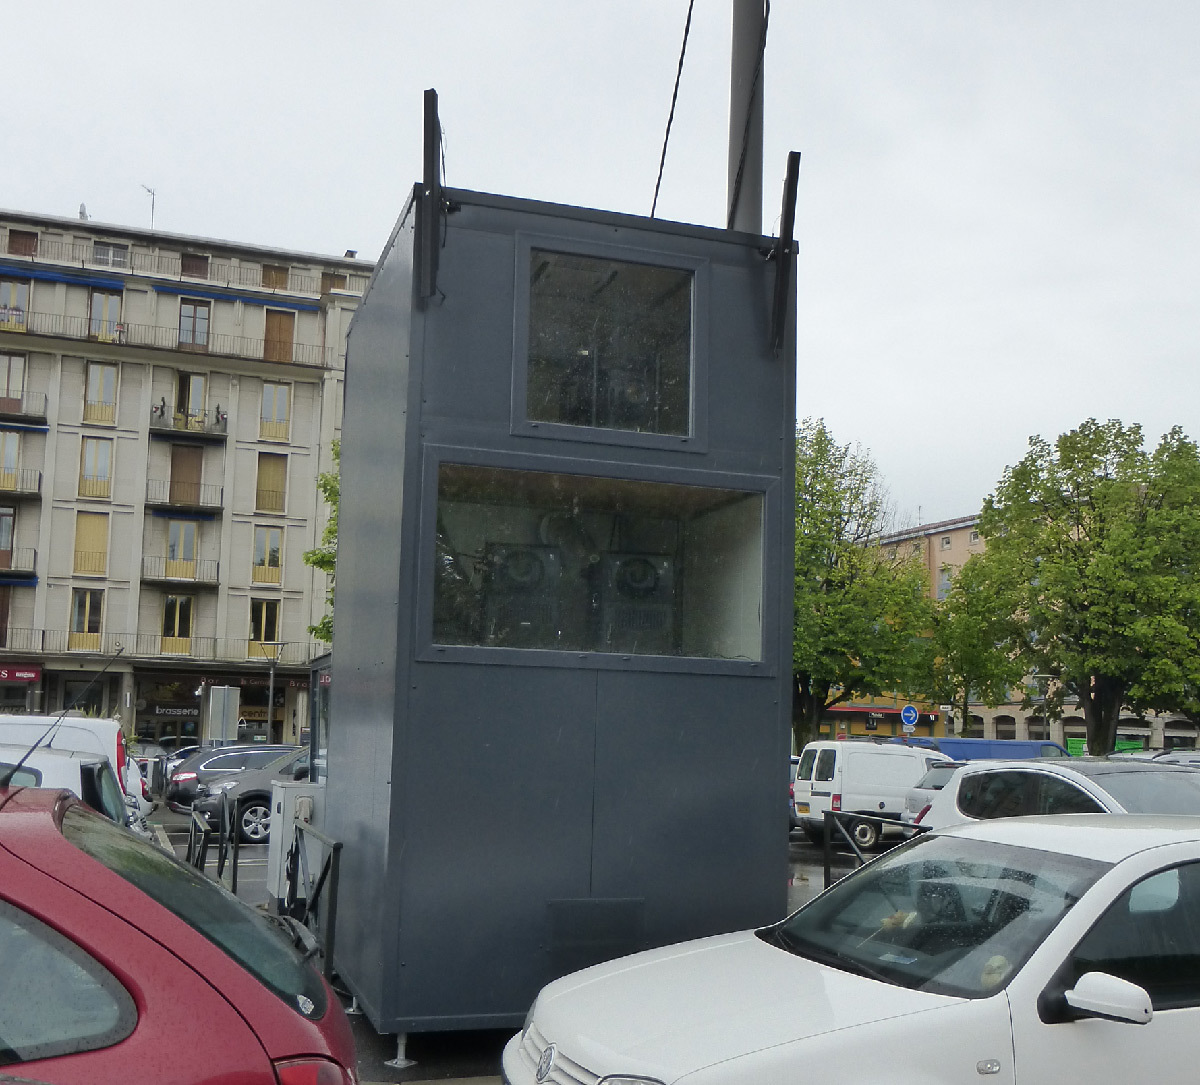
(510, 813)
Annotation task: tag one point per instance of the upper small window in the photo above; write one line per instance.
(610, 344)
(22, 243)
(332, 280)
(947, 542)
(110, 254)
(194, 265)
(974, 536)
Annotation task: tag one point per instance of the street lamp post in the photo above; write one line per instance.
(274, 645)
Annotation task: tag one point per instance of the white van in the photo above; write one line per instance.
(87, 734)
(857, 778)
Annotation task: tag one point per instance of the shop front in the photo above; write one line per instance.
(20, 687)
(874, 721)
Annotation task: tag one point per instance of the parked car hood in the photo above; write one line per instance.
(670, 1011)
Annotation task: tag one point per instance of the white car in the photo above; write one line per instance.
(982, 790)
(1028, 949)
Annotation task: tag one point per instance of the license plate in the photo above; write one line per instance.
(801, 808)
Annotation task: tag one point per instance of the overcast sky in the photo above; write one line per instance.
(998, 219)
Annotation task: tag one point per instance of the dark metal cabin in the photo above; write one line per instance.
(559, 721)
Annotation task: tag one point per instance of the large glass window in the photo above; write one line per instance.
(610, 344)
(193, 324)
(268, 555)
(87, 611)
(95, 467)
(177, 624)
(528, 559)
(100, 403)
(273, 419)
(14, 304)
(105, 322)
(12, 381)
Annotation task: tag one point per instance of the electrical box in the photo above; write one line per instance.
(289, 798)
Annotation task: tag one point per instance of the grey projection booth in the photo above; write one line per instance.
(560, 693)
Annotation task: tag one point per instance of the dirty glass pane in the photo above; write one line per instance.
(530, 559)
(610, 344)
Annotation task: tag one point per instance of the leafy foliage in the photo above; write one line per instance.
(1095, 543)
(861, 614)
(974, 630)
(324, 557)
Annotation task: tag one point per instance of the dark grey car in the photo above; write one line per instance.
(214, 763)
(249, 795)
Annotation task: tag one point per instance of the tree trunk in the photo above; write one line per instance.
(1101, 705)
(808, 706)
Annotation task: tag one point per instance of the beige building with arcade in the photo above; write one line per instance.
(944, 547)
(166, 405)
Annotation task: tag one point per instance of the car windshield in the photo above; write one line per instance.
(1153, 791)
(262, 946)
(943, 914)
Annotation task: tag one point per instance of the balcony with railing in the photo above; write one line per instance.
(153, 645)
(270, 500)
(212, 425)
(174, 494)
(197, 572)
(160, 337)
(22, 482)
(27, 407)
(19, 562)
(91, 562)
(252, 276)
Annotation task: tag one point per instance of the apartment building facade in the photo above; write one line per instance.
(166, 405)
(944, 547)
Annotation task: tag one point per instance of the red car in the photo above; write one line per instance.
(118, 963)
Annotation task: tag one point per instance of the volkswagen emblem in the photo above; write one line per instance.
(545, 1063)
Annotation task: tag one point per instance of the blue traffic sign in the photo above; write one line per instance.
(908, 714)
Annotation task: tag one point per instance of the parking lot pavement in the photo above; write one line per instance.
(460, 1057)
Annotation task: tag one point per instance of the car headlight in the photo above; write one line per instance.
(628, 1079)
(216, 789)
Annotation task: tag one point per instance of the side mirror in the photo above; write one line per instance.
(1098, 994)
(301, 773)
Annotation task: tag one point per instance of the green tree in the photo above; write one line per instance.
(1097, 542)
(861, 612)
(324, 557)
(974, 630)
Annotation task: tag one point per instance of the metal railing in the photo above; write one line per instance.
(192, 495)
(151, 646)
(165, 265)
(21, 560)
(27, 480)
(164, 419)
(26, 405)
(320, 888)
(161, 337)
(190, 571)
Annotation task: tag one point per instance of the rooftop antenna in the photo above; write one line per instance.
(152, 195)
